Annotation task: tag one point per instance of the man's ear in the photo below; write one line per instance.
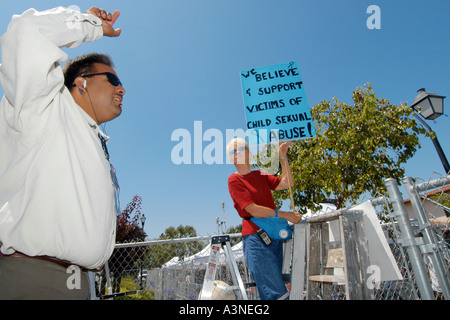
(80, 83)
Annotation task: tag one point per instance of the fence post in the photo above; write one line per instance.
(428, 236)
(409, 240)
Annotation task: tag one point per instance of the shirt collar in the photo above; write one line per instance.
(93, 124)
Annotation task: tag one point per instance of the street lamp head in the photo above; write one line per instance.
(143, 218)
(428, 104)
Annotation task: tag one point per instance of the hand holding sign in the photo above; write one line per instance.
(283, 148)
(276, 109)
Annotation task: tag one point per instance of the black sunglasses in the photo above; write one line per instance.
(112, 78)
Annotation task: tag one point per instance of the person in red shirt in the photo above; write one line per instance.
(251, 192)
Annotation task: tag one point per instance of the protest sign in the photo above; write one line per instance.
(275, 104)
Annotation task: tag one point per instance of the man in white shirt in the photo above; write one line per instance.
(58, 191)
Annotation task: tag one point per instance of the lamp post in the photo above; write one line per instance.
(143, 218)
(431, 106)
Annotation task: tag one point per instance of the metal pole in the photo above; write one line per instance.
(237, 280)
(154, 242)
(441, 154)
(433, 184)
(409, 240)
(431, 244)
(437, 145)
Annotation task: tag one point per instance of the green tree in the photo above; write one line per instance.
(236, 229)
(179, 232)
(356, 147)
(165, 252)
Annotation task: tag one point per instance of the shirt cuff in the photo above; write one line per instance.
(97, 23)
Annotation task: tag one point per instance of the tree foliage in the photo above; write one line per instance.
(356, 148)
(167, 251)
(179, 232)
(235, 229)
(129, 226)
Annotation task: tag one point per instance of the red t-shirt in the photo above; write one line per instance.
(255, 187)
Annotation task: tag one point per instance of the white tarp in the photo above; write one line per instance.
(202, 256)
(380, 254)
(326, 208)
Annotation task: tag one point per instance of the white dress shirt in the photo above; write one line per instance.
(56, 192)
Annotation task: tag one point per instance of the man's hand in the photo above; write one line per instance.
(287, 181)
(283, 148)
(108, 21)
(294, 217)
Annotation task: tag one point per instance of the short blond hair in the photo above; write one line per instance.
(234, 144)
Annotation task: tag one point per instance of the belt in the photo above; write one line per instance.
(62, 263)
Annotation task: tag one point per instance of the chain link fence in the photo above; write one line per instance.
(175, 269)
(417, 232)
(169, 270)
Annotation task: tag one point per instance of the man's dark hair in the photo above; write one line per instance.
(83, 65)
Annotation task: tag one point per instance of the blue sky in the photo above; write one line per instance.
(180, 62)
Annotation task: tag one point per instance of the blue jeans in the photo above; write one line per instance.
(265, 263)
